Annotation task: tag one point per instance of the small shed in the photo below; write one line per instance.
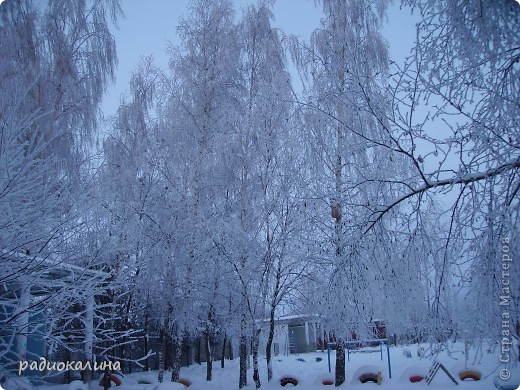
(293, 334)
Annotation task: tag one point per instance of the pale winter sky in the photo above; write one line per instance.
(149, 25)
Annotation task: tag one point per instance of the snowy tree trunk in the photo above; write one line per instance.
(340, 362)
(160, 377)
(23, 322)
(269, 345)
(89, 335)
(466, 352)
(324, 340)
(146, 365)
(337, 214)
(199, 346)
(223, 351)
(146, 336)
(209, 339)
(256, 373)
(244, 359)
(168, 351)
(340, 348)
(123, 354)
(161, 358)
(243, 350)
(209, 356)
(177, 355)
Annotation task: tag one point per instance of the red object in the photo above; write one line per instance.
(416, 378)
(470, 374)
(113, 378)
(286, 380)
(368, 377)
(327, 382)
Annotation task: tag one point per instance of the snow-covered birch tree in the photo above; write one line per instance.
(197, 113)
(57, 60)
(346, 64)
(454, 117)
(56, 63)
(269, 137)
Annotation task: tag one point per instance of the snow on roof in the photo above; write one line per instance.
(55, 265)
(297, 316)
(291, 317)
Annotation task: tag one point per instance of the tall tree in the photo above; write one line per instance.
(56, 63)
(267, 133)
(197, 112)
(454, 118)
(133, 194)
(347, 63)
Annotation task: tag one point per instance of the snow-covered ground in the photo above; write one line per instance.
(310, 369)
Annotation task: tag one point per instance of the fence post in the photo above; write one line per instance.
(328, 354)
(389, 365)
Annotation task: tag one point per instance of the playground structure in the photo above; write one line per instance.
(470, 374)
(288, 379)
(433, 371)
(413, 373)
(375, 329)
(377, 342)
(356, 343)
(371, 377)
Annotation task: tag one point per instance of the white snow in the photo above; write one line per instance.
(169, 386)
(311, 372)
(77, 385)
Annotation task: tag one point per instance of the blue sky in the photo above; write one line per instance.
(149, 25)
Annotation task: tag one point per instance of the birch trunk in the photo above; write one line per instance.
(176, 355)
(256, 373)
(340, 362)
(243, 350)
(223, 351)
(209, 356)
(269, 345)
